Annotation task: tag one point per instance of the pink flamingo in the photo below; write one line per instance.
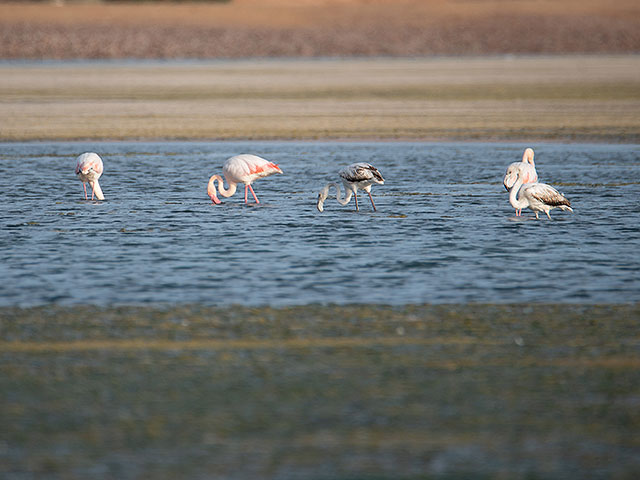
(89, 168)
(539, 197)
(245, 169)
(526, 169)
(354, 177)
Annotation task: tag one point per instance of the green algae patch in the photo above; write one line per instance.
(357, 391)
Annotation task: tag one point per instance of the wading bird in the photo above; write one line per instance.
(89, 168)
(527, 169)
(354, 177)
(245, 169)
(539, 197)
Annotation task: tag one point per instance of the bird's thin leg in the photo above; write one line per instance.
(253, 193)
(372, 204)
(93, 191)
(355, 195)
(246, 187)
(548, 215)
(84, 185)
(537, 217)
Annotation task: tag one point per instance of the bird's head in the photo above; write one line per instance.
(511, 177)
(322, 196)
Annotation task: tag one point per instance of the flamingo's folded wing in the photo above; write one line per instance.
(548, 195)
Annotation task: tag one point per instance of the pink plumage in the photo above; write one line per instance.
(245, 168)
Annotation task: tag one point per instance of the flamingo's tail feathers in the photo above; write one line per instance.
(276, 167)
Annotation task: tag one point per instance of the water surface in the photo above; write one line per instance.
(444, 230)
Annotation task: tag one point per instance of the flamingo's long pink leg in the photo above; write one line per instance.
(246, 187)
(355, 195)
(93, 191)
(372, 204)
(84, 185)
(252, 193)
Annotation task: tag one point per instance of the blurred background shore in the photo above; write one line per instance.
(394, 70)
(316, 28)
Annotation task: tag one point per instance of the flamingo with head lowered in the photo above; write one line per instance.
(89, 168)
(245, 168)
(527, 169)
(356, 176)
(539, 197)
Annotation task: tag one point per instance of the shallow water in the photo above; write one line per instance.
(444, 230)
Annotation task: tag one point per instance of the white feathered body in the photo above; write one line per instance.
(538, 197)
(89, 168)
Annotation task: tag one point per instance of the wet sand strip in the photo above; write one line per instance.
(563, 98)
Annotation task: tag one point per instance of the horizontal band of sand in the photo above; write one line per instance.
(479, 98)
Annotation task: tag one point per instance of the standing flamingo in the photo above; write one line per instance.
(526, 167)
(539, 197)
(354, 177)
(89, 168)
(245, 169)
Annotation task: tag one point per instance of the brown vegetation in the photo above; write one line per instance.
(253, 28)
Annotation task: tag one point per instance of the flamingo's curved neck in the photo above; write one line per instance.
(225, 192)
(528, 157)
(97, 191)
(341, 201)
(513, 195)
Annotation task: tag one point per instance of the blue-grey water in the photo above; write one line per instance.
(444, 230)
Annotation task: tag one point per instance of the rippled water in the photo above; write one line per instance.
(444, 230)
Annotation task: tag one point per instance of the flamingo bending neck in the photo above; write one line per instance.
(517, 203)
(225, 192)
(322, 196)
(95, 190)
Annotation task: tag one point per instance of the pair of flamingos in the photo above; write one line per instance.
(248, 168)
(520, 180)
